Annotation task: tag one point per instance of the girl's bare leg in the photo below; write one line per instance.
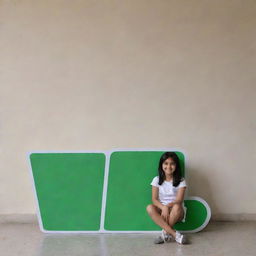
(156, 217)
(176, 214)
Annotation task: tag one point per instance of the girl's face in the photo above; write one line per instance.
(169, 166)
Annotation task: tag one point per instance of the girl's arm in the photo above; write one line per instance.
(179, 197)
(155, 200)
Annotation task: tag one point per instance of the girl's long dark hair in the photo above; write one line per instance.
(177, 173)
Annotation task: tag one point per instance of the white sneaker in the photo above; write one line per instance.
(180, 238)
(166, 237)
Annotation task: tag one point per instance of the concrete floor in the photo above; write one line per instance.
(217, 239)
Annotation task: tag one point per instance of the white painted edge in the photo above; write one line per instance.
(103, 209)
(38, 214)
(104, 192)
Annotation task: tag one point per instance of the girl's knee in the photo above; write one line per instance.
(150, 208)
(177, 208)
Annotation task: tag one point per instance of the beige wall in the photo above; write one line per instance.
(96, 75)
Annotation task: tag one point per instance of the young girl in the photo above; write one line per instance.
(168, 189)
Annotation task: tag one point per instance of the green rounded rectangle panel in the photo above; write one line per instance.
(69, 189)
(129, 189)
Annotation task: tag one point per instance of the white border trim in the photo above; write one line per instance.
(104, 192)
(105, 186)
(35, 194)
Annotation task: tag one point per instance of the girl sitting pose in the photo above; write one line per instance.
(168, 189)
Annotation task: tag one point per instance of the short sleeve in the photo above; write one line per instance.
(155, 182)
(182, 183)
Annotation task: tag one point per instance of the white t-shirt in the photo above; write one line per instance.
(167, 192)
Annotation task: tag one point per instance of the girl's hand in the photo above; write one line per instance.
(165, 213)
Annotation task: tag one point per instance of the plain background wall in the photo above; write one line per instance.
(97, 75)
